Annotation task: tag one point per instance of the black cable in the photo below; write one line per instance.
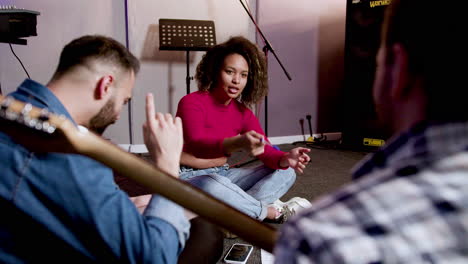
(130, 115)
(1, 92)
(19, 61)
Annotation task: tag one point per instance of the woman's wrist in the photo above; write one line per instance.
(284, 162)
(232, 144)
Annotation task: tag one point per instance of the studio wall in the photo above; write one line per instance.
(307, 36)
(58, 23)
(292, 31)
(164, 72)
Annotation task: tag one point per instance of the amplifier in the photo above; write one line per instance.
(16, 24)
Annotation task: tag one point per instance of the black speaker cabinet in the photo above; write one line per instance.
(363, 23)
(15, 24)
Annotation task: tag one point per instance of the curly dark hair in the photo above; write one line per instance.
(211, 63)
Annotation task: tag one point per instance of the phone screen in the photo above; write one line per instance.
(239, 253)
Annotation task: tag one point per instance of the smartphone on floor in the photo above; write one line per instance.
(238, 253)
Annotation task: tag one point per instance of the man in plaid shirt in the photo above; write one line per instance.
(408, 203)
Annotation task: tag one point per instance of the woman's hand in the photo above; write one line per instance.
(163, 137)
(252, 142)
(296, 159)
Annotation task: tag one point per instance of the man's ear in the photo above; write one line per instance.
(400, 75)
(103, 86)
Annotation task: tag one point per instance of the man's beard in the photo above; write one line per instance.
(104, 118)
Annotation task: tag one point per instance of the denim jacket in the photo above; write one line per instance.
(67, 208)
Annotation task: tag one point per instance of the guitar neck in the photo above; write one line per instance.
(66, 138)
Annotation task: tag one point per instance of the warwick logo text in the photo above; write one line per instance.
(379, 3)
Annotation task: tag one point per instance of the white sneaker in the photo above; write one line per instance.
(290, 208)
(278, 203)
(297, 203)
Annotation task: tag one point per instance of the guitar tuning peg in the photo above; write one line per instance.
(30, 122)
(11, 115)
(49, 129)
(45, 126)
(26, 109)
(6, 103)
(38, 126)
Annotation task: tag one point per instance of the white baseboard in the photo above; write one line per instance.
(291, 139)
(135, 148)
(141, 148)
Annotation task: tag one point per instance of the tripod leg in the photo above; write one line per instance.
(187, 80)
(309, 117)
(301, 121)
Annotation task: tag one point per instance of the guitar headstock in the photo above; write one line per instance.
(37, 128)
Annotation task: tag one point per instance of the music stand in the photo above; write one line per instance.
(186, 35)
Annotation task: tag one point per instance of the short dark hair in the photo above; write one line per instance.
(82, 50)
(432, 32)
(257, 83)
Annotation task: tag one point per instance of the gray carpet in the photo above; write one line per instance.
(328, 170)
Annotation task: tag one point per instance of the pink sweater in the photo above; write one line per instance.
(207, 123)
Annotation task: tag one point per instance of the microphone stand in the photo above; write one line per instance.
(130, 115)
(267, 48)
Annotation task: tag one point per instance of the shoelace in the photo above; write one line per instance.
(286, 212)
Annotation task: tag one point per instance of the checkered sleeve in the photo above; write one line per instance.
(399, 216)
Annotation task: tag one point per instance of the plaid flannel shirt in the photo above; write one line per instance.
(408, 203)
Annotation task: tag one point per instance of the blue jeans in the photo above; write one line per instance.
(250, 190)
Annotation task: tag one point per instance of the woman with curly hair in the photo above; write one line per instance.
(217, 121)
